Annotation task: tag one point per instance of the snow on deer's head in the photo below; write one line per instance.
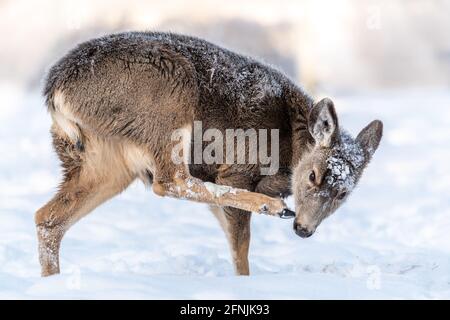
(330, 169)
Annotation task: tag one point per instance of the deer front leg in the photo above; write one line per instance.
(194, 189)
(278, 185)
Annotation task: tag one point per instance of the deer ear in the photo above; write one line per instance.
(323, 123)
(369, 138)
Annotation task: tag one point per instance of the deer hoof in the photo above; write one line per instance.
(287, 214)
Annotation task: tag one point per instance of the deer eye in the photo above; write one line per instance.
(312, 177)
(342, 195)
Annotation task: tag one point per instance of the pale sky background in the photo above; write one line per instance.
(325, 44)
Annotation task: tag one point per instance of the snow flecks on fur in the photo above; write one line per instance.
(48, 247)
(243, 79)
(219, 190)
(346, 157)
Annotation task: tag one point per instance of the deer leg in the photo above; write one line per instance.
(187, 187)
(85, 186)
(235, 222)
(236, 225)
(278, 185)
(174, 180)
(74, 201)
(54, 219)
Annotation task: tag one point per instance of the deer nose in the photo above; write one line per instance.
(302, 231)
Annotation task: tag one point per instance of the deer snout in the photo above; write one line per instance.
(302, 231)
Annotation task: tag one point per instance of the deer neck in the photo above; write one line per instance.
(299, 104)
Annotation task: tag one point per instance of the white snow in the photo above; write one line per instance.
(218, 190)
(390, 240)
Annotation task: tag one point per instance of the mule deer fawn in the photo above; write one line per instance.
(116, 100)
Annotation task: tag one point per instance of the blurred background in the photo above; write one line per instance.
(339, 45)
(387, 59)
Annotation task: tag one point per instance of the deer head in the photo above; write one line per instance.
(331, 167)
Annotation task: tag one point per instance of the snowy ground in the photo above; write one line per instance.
(391, 239)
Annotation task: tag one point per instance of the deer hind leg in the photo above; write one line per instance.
(74, 200)
(174, 180)
(87, 183)
(190, 188)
